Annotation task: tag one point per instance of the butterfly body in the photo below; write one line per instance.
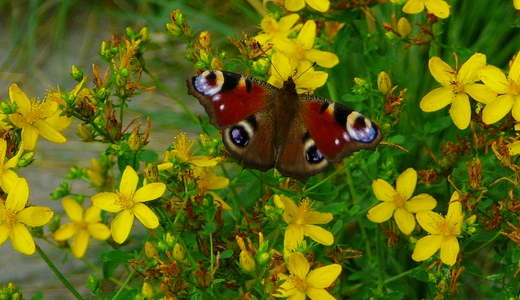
(265, 127)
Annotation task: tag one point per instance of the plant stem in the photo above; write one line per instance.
(58, 273)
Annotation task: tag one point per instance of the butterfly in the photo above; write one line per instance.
(265, 127)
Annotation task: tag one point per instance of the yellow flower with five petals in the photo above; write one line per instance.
(399, 201)
(182, 151)
(508, 89)
(83, 225)
(302, 50)
(128, 202)
(302, 283)
(207, 182)
(439, 8)
(31, 118)
(443, 233)
(273, 30)
(301, 222)
(296, 5)
(15, 216)
(456, 86)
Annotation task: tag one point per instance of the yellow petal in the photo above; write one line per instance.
(514, 71)
(318, 234)
(441, 71)
(516, 4)
(149, 192)
(35, 216)
(429, 221)
(218, 182)
(80, 243)
(107, 201)
(413, 7)
(381, 212)
(323, 277)
(21, 239)
(3, 150)
(219, 201)
(18, 196)
(322, 58)
(294, 5)
(437, 99)
(420, 202)
(450, 250)
(494, 78)
(49, 133)
(65, 232)
(307, 35)
(298, 265)
(21, 99)
(29, 136)
(497, 109)
(203, 161)
(383, 190)
(287, 22)
(129, 182)
(99, 231)
(454, 212)
(315, 217)
(468, 71)
(319, 5)
(293, 236)
(7, 180)
(426, 247)
(405, 220)
(121, 226)
(92, 215)
(145, 215)
(515, 111)
(311, 79)
(5, 230)
(318, 294)
(288, 288)
(438, 7)
(291, 210)
(73, 209)
(406, 182)
(460, 111)
(480, 92)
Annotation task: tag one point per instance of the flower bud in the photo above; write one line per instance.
(216, 64)
(174, 30)
(77, 74)
(247, 262)
(26, 159)
(179, 252)
(149, 250)
(151, 173)
(84, 132)
(263, 259)
(359, 81)
(204, 39)
(147, 290)
(145, 34)
(403, 27)
(134, 141)
(384, 84)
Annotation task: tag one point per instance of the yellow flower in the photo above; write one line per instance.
(302, 49)
(456, 85)
(443, 233)
(128, 201)
(516, 4)
(273, 30)
(301, 222)
(319, 5)
(246, 259)
(397, 201)
(7, 176)
(31, 117)
(85, 223)
(207, 181)
(302, 283)
(57, 120)
(14, 216)
(508, 88)
(182, 151)
(306, 79)
(439, 8)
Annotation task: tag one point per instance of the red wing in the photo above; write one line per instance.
(336, 129)
(229, 98)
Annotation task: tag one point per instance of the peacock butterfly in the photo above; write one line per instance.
(265, 127)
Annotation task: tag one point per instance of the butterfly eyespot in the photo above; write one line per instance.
(239, 136)
(360, 128)
(209, 83)
(313, 155)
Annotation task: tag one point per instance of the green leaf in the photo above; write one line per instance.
(38, 296)
(209, 228)
(148, 156)
(117, 256)
(226, 254)
(324, 193)
(337, 227)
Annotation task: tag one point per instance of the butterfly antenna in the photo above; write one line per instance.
(269, 47)
(306, 70)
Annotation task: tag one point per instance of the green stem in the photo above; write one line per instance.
(124, 284)
(468, 253)
(58, 273)
(400, 275)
